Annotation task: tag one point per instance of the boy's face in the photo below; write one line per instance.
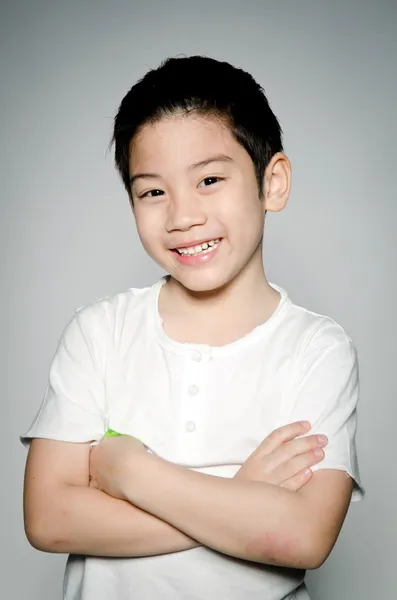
(193, 184)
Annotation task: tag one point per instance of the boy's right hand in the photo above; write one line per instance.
(284, 458)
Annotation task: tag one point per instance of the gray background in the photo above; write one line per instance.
(67, 235)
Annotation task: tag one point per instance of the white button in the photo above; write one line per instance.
(193, 390)
(190, 426)
(196, 356)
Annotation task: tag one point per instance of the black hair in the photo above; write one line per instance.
(207, 87)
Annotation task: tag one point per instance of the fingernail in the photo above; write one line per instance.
(306, 424)
(322, 439)
(319, 452)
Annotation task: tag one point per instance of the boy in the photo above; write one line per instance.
(216, 490)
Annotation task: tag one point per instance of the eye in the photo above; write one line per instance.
(210, 181)
(151, 194)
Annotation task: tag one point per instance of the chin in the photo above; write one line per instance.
(203, 283)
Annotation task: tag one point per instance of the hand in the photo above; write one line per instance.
(284, 458)
(110, 461)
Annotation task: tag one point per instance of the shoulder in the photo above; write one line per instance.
(111, 314)
(309, 332)
(320, 335)
(109, 307)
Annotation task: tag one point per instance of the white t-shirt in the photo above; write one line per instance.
(203, 407)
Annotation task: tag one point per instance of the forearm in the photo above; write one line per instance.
(249, 520)
(83, 520)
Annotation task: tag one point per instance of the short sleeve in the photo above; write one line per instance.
(73, 409)
(326, 391)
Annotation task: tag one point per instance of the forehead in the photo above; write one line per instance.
(182, 139)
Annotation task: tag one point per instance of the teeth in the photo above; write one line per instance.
(208, 246)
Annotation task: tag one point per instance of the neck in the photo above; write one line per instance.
(219, 316)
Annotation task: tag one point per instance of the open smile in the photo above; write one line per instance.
(198, 254)
(198, 248)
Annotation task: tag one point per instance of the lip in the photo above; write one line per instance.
(193, 243)
(197, 260)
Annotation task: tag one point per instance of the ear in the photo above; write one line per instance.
(277, 183)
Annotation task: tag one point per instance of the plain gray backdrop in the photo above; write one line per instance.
(68, 236)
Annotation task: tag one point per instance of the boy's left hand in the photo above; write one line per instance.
(109, 464)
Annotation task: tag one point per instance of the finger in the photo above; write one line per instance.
(297, 481)
(299, 463)
(296, 447)
(282, 435)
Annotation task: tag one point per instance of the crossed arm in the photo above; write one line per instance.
(149, 506)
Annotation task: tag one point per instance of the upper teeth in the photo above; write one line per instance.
(199, 248)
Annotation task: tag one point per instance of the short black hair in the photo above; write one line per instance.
(207, 87)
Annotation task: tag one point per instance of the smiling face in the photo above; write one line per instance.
(196, 202)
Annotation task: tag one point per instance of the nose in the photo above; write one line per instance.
(184, 212)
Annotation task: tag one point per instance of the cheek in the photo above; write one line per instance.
(242, 200)
(243, 215)
(150, 228)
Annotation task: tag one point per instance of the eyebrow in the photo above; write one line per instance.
(197, 165)
(211, 159)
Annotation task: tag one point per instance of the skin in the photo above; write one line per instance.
(277, 505)
(184, 203)
(182, 197)
(63, 514)
(250, 520)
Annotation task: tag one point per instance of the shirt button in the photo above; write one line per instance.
(197, 356)
(190, 426)
(192, 390)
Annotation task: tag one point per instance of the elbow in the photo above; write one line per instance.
(317, 552)
(316, 547)
(278, 549)
(45, 543)
(314, 560)
(300, 551)
(41, 535)
(37, 538)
